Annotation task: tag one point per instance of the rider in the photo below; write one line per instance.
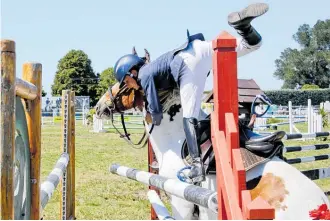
(186, 68)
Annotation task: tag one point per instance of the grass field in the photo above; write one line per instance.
(101, 195)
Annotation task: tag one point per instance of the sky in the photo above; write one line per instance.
(44, 31)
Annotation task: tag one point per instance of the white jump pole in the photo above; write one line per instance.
(54, 114)
(159, 207)
(83, 112)
(309, 116)
(290, 117)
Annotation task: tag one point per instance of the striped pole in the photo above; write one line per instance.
(282, 117)
(159, 207)
(306, 148)
(307, 159)
(308, 135)
(195, 194)
(53, 179)
(278, 124)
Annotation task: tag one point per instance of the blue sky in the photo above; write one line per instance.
(45, 31)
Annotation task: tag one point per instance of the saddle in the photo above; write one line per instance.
(255, 148)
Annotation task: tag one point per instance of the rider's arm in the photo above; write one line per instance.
(151, 94)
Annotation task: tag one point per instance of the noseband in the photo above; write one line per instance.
(119, 107)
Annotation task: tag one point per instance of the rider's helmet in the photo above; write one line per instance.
(125, 64)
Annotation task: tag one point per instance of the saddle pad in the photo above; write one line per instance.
(251, 159)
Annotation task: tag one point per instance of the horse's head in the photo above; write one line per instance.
(118, 100)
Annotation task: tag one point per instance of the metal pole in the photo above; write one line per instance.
(195, 194)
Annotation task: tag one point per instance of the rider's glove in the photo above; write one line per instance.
(157, 118)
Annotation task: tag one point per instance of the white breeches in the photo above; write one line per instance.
(197, 64)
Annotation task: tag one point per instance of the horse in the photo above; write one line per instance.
(292, 194)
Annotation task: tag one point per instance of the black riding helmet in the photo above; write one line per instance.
(125, 64)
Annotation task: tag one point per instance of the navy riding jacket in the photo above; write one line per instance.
(162, 74)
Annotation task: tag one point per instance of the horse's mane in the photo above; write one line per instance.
(169, 98)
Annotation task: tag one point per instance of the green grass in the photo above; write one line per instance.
(102, 195)
(99, 194)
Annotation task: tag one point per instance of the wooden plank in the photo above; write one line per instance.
(32, 73)
(25, 89)
(239, 173)
(225, 177)
(7, 132)
(231, 134)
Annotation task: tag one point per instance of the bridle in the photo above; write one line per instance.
(119, 107)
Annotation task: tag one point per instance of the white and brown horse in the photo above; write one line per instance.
(291, 193)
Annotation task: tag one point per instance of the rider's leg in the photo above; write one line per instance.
(197, 63)
(190, 125)
(241, 21)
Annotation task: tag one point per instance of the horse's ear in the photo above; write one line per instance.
(134, 51)
(147, 56)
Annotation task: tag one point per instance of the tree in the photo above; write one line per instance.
(107, 79)
(74, 72)
(311, 63)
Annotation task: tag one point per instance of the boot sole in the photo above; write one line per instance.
(250, 12)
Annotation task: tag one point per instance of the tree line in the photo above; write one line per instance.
(75, 72)
(309, 64)
(306, 67)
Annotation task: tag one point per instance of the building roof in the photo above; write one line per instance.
(247, 91)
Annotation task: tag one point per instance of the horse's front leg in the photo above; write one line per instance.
(171, 164)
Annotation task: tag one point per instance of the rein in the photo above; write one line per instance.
(126, 136)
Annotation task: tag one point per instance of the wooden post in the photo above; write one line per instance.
(230, 181)
(72, 154)
(225, 78)
(225, 101)
(65, 147)
(151, 159)
(7, 130)
(32, 73)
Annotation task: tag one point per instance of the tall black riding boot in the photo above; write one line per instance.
(197, 173)
(241, 21)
